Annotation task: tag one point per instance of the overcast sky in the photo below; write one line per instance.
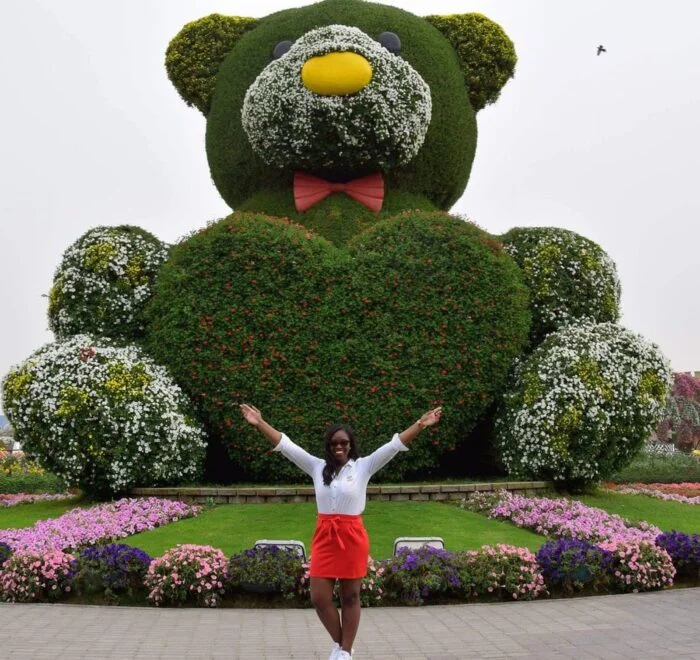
(92, 132)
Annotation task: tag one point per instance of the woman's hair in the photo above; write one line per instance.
(330, 468)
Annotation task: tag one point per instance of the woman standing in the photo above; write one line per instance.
(340, 546)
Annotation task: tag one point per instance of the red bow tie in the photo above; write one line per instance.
(310, 190)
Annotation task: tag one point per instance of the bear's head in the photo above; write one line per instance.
(340, 90)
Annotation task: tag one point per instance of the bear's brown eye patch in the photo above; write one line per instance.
(390, 41)
(281, 48)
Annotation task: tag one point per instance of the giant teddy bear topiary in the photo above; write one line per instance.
(340, 288)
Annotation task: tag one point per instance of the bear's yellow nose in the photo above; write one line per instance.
(336, 74)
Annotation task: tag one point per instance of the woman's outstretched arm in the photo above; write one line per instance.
(428, 419)
(253, 416)
(382, 455)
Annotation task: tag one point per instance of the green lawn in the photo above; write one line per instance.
(25, 515)
(232, 527)
(664, 514)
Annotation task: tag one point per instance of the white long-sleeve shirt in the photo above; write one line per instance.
(347, 493)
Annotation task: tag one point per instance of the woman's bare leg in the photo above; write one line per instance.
(322, 600)
(350, 604)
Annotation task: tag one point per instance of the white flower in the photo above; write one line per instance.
(384, 124)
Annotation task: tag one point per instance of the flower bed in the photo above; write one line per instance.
(29, 498)
(687, 493)
(589, 549)
(104, 522)
(557, 518)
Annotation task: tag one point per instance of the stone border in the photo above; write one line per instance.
(254, 495)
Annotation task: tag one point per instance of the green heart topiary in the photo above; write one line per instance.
(422, 309)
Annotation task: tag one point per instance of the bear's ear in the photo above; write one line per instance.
(195, 54)
(485, 52)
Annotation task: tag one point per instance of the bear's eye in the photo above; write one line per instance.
(281, 48)
(390, 41)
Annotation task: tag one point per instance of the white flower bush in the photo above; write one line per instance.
(103, 282)
(570, 278)
(103, 417)
(582, 404)
(382, 125)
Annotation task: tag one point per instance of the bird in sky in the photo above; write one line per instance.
(601, 49)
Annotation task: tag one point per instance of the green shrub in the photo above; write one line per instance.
(31, 483)
(102, 417)
(570, 278)
(414, 575)
(420, 310)
(279, 569)
(582, 404)
(648, 469)
(103, 281)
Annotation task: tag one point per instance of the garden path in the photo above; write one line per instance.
(649, 625)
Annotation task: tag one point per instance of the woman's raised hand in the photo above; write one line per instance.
(431, 417)
(251, 414)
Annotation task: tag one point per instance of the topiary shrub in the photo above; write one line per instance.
(103, 281)
(102, 417)
(582, 404)
(356, 121)
(194, 56)
(487, 55)
(570, 278)
(256, 308)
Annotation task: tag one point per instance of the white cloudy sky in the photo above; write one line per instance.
(91, 132)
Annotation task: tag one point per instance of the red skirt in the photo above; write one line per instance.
(339, 548)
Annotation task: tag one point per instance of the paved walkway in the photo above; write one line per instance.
(650, 625)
